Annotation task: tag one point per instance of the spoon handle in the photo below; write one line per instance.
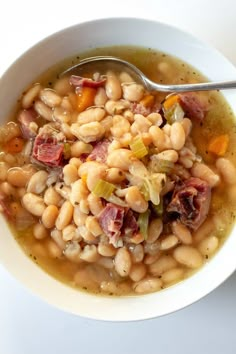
(206, 86)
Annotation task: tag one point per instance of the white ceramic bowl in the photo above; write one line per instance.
(107, 32)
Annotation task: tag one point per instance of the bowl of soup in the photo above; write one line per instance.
(117, 203)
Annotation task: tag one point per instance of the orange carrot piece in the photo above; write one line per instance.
(14, 145)
(219, 144)
(170, 101)
(148, 101)
(85, 98)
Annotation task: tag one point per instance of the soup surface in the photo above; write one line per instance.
(114, 189)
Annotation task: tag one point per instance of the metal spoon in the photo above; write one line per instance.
(138, 75)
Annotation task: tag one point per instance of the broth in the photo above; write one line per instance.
(161, 267)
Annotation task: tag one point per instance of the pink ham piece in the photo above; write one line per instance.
(130, 225)
(26, 117)
(80, 81)
(100, 151)
(192, 105)
(191, 200)
(48, 151)
(111, 221)
(139, 108)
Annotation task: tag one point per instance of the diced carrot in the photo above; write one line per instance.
(148, 101)
(85, 98)
(14, 145)
(219, 144)
(170, 101)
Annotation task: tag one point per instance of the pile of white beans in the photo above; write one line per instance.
(65, 210)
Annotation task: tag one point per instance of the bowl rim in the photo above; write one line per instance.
(130, 304)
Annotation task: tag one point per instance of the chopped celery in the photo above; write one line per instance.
(161, 165)
(66, 151)
(138, 148)
(145, 190)
(152, 186)
(103, 189)
(143, 221)
(158, 209)
(174, 114)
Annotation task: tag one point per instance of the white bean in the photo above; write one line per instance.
(204, 172)
(53, 249)
(133, 92)
(93, 226)
(148, 285)
(91, 115)
(182, 232)
(100, 98)
(49, 216)
(70, 174)
(89, 254)
(173, 275)
(43, 110)
(79, 218)
(64, 216)
(208, 246)
(34, 204)
(136, 252)
(62, 116)
(113, 87)
(135, 200)
(114, 175)
(154, 230)
(204, 230)
(62, 86)
(187, 125)
(79, 191)
(123, 262)
(106, 250)
(164, 263)
(70, 232)
(177, 136)
(79, 147)
(52, 197)
(188, 256)
(72, 251)
(169, 155)
(227, 170)
(20, 176)
(120, 158)
(50, 97)
(88, 132)
(40, 232)
(95, 204)
(56, 235)
(120, 126)
(169, 242)
(37, 182)
(116, 107)
(137, 272)
(30, 96)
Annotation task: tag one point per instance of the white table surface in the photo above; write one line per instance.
(28, 325)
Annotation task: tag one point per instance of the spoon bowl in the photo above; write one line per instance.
(103, 63)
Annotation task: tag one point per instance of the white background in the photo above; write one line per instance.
(28, 325)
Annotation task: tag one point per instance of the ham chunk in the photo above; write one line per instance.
(111, 221)
(191, 201)
(80, 81)
(48, 151)
(26, 117)
(116, 222)
(192, 105)
(100, 151)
